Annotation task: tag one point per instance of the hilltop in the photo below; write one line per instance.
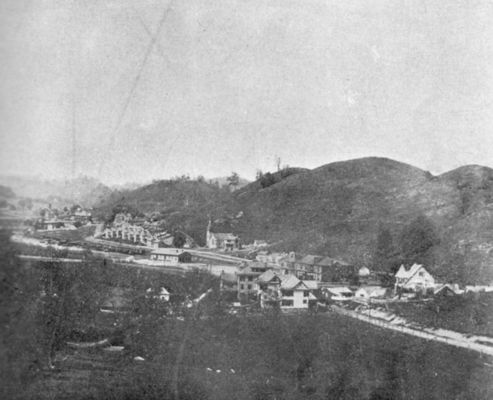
(338, 209)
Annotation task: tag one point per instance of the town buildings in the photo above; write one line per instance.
(126, 229)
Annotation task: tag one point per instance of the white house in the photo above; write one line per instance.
(162, 295)
(416, 279)
(170, 256)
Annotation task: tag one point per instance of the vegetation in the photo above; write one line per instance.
(233, 180)
(469, 314)
(41, 306)
(202, 352)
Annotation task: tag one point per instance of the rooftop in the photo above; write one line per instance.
(224, 236)
(168, 251)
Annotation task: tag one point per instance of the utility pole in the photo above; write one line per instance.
(74, 144)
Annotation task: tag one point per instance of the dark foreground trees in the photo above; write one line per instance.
(42, 304)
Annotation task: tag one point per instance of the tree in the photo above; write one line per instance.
(418, 240)
(384, 256)
(179, 239)
(233, 180)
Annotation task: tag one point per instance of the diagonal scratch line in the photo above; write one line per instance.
(134, 86)
(157, 44)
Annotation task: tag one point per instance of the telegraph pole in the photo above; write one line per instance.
(74, 144)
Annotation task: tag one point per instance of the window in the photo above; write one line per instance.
(287, 303)
(249, 287)
(242, 286)
(306, 294)
(288, 293)
(305, 301)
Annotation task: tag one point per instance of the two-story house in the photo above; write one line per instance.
(285, 291)
(416, 279)
(247, 285)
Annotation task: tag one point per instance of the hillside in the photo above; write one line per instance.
(338, 209)
(181, 204)
(82, 190)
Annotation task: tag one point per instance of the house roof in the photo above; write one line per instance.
(446, 287)
(168, 251)
(163, 291)
(310, 259)
(329, 262)
(373, 291)
(402, 273)
(339, 290)
(290, 282)
(224, 236)
(312, 285)
(267, 276)
(248, 271)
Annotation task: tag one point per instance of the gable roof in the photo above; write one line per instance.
(447, 287)
(310, 259)
(402, 273)
(290, 282)
(224, 236)
(168, 251)
(247, 271)
(267, 276)
(372, 291)
(312, 285)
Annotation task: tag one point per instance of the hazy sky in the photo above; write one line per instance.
(230, 85)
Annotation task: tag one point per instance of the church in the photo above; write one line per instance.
(222, 241)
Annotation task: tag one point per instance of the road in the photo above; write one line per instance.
(164, 270)
(448, 337)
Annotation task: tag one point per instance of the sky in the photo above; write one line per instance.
(154, 89)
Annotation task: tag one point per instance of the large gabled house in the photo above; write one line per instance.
(285, 291)
(247, 281)
(306, 268)
(416, 279)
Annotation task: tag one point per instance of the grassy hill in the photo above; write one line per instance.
(338, 209)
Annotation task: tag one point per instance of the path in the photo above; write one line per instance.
(448, 337)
